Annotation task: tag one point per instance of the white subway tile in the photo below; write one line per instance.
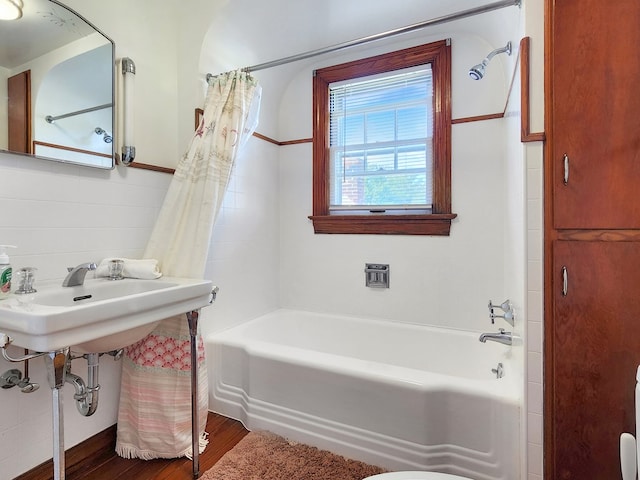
(534, 428)
(534, 458)
(534, 337)
(534, 214)
(534, 397)
(534, 367)
(534, 305)
(534, 274)
(534, 184)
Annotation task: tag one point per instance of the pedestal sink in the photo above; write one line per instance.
(99, 316)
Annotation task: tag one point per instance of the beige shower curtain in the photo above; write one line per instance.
(154, 416)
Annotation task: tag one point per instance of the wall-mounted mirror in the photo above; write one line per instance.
(56, 86)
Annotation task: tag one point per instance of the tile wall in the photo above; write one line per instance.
(61, 215)
(535, 311)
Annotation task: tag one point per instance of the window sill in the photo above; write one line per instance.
(433, 224)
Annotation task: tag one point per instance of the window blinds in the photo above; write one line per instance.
(381, 147)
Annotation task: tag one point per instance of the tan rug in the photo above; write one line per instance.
(266, 456)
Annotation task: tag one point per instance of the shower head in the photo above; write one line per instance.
(477, 71)
(105, 135)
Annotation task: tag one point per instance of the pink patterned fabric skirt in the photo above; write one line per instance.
(154, 415)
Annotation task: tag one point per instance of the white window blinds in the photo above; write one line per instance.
(381, 142)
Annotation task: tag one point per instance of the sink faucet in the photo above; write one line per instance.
(76, 274)
(503, 337)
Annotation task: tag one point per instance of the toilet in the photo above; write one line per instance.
(416, 476)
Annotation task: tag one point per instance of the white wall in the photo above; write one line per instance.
(325, 272)
(534, 27)
(444, 281)
(244, 258)
(535, 310)
(60, 215)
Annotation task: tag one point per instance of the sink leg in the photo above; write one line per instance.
(192, 317)
(58, 435)
(56, 371)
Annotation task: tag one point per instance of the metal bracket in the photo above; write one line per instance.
(214, 294)
(10, 378)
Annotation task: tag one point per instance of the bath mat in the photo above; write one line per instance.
(265, 456)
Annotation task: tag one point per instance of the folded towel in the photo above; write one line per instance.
(146, 268)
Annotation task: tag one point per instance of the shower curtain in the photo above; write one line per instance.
(154, 416)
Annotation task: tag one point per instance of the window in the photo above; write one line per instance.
(382, 144)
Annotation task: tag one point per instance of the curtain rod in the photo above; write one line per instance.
(379, 36)
(51, 119)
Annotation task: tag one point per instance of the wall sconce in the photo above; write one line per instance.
(11, 9)
(128, 76)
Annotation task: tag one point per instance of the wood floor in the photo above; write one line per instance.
(95, 459)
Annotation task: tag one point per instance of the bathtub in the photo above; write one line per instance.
(400, 396)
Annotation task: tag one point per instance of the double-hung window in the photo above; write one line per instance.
(382, 144)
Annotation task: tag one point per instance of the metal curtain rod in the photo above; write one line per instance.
(379, 36)
(51, 119)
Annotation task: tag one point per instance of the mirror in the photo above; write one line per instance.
(56, 86)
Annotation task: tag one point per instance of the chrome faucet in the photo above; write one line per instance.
(506, 338)
(76, 274)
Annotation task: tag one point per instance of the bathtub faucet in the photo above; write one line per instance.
(503, 337)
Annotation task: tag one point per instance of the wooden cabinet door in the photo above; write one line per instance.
(19, 112)
(596, 351)
(595, 117)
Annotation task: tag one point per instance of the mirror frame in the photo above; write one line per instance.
(113, 99)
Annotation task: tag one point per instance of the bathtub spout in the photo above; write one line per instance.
(502, 337)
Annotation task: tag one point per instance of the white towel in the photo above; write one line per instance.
(146, 268)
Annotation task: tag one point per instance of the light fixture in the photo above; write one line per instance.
(11, 9)
(477, 72)
(128, 76)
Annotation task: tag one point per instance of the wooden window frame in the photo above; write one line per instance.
(438, 54)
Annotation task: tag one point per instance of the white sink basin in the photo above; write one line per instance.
(101, 315)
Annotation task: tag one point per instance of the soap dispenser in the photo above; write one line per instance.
(5, 272)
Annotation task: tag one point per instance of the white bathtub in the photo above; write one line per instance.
(401, 396)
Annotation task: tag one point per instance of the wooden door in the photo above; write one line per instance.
(19, 112)
(596, 351)
(595, 122)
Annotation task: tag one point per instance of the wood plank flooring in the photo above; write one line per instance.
(95, 459)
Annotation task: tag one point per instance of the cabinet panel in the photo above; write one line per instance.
(19, 112)
(595, 121)
(596, 351)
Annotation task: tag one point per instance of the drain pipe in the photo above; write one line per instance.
(86, 395)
